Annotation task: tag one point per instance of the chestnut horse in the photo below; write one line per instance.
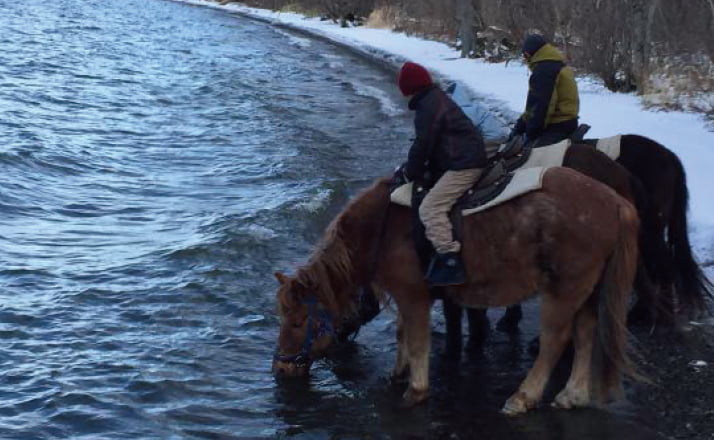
(574, 241)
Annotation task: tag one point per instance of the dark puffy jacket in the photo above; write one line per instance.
(552, 94)
(446, 139)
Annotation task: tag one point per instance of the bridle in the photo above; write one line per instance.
(324, 327)
(324, 320)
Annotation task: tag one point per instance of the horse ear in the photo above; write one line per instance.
(298, 290)
(282, 279)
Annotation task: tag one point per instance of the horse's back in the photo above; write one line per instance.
(597, 165)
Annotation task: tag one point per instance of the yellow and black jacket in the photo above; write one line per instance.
(552, 103)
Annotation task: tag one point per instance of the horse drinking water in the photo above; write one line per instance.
(574, 241)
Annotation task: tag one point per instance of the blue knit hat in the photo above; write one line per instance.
(532, 43)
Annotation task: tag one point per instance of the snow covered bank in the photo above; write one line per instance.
(503, 88)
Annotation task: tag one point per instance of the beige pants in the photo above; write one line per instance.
(434, 210)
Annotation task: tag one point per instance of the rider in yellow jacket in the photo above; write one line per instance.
(552, 105)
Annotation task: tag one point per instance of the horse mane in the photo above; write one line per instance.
(333, 270)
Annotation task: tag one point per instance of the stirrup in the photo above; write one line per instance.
(446, 270)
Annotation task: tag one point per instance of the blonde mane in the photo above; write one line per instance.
(333, 269)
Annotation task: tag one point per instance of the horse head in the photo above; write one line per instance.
(306, 327)
(331, 296)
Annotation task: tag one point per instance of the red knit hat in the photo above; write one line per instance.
(413, 78)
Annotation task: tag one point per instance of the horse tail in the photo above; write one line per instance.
(648, 240)
(693, 287)
(610, 346)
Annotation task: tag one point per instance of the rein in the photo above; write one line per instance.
(366, 291)
(324, 327)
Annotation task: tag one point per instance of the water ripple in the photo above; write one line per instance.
(159, 162)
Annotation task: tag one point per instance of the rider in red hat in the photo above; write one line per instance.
(448, 151)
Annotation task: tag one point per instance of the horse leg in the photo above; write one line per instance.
(478, 329)
(664, 307)
(417, 329)
(648, 292)
(577, 391)
(655, 275)
(453, 314)
(556, 326)
(401, 367)
(509, 322)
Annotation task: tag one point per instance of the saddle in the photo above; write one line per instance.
(489, 185)
(516, 152)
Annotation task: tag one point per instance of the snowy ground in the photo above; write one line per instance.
(502, 88)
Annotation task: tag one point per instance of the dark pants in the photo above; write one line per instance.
(555, 133)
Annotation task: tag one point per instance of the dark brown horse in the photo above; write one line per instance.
(574, 241)
(653, 179)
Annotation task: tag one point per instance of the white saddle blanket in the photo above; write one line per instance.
(523, 181)
(553, 155)
(548, 155)
(610, 146)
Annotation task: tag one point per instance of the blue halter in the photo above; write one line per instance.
(324, 327)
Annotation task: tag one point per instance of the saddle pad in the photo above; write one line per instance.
(523, 181)
(403, 195)
(547, 155)
(610, 146)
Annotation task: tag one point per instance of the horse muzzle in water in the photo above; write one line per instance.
(290, 366)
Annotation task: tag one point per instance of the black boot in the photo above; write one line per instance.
(446, 270)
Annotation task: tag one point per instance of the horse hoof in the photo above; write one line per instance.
(513, 409)
(570, 399)
(517, 404)
(413, 397)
